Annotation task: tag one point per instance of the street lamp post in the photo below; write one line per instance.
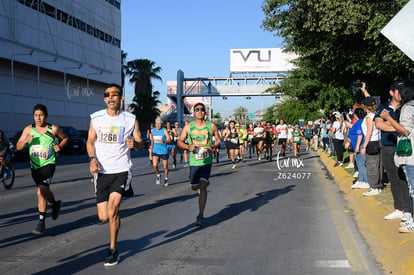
(64, 73)
(87, 78)
(38, 72)
(12, 67)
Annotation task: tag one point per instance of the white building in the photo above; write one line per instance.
(58, 53)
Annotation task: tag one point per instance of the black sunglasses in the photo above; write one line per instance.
(199, 110)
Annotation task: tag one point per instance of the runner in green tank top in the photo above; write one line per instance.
(40, 136)
(201, 138)
(200, 133)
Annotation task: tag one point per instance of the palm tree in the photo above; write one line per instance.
(240, 115)
(144, 110)
(123, 73)
(142, 72)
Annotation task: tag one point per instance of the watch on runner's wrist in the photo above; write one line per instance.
(91, 158)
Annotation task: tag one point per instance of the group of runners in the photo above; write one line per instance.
(262, 139)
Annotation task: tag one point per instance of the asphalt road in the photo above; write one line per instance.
(261, 218)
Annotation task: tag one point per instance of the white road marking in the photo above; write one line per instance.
(333, 264)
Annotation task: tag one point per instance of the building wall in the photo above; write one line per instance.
(58, 53)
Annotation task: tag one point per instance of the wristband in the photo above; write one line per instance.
(91, 158)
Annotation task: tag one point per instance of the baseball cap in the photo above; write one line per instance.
(368, 101)
(396, 85)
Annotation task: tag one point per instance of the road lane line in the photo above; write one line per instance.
(349, 243)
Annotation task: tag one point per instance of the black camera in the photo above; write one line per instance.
(356, 85)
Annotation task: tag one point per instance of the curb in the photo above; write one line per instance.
(393, 250)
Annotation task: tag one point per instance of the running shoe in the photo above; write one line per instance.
(165, 182)
(349, 166)
(360, 184)
(112, 258)
(234, 166)
(40, 228)
(396, 214)
(409, 228)
(174, 165)
(56, 209)
(199, 220)
(7, 173)
(356, 175)
(372, 192)
(406, 217)
(402, 224)
(158, 179)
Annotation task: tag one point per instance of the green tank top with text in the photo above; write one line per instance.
(200, 137)
(41, 148)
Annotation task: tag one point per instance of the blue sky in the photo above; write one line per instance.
(195, 37)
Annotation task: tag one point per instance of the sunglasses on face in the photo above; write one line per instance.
(115, 93)
(199, 110)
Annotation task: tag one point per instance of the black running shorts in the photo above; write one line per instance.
(105, 184)
(198, 173)
(43, 175)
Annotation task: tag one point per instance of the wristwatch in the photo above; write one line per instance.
(91, 158)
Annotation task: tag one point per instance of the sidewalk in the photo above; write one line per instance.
(393, 250)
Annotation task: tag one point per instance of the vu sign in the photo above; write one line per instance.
(260, 60)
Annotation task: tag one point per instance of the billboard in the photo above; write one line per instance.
(262, 60)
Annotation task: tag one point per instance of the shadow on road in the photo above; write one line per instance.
(96, 255)
(230, 211)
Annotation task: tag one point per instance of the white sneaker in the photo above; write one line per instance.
(158, 179)
(402, 224)
(349, 166)
(396, 214)
(360, 184)
(234, 166)
(356, 175)
(409, 228)
(372, 192)
(165, 182)
(406, 217)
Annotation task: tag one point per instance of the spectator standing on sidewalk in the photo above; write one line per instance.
(371, 147)
(356, 137)
(399, 188)
(389, 134)
(338, 129)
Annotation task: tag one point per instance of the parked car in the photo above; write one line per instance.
(76, 144)
(22, 155)
(84, 134)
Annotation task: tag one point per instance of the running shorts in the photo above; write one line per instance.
(198, 173)
(161, 156)
(43, 175)
(282, 141)
(105, 184)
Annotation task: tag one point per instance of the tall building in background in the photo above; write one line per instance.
(58, 53)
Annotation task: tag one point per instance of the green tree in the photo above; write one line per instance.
(141, 73)
(123, 74)
(240, 115)
(338, 42)
(144, 110)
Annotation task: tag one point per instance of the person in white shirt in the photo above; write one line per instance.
(112, 134)
(282, 133)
